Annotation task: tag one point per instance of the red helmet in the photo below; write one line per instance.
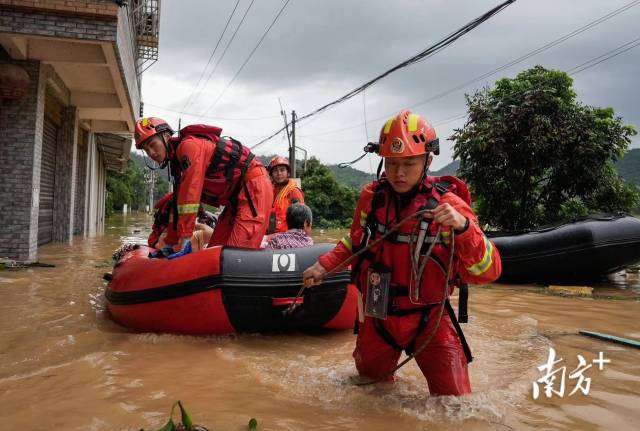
(279, 161)
(148, 127)
(407, 135)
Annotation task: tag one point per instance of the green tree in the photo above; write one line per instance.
(128, 188)
(332, 203)
(533, 154)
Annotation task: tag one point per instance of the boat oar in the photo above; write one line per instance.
(611, 338)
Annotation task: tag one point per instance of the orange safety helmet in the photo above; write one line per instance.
(148, 127)
(406, 135)
(279, 161)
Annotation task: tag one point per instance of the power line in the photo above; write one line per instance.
(604, 57)
(437, 47)
(532, 53)
(268, 138)
(233, 36)
(186, 105)
(248, 58)
(573, 71)
(426, 53)
(366, 132)
(270, 117)
(504, 66)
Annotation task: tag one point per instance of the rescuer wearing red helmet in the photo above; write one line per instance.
(214, 170)
(408, 316)
(286, 192)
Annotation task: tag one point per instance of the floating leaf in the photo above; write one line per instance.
(170, 426)
(186, 420)
(253, 424)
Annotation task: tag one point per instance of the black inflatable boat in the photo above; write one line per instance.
(582, 250)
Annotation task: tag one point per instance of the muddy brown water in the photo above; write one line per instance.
(65, 365)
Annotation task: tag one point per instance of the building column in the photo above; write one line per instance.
(66, 168)
(79, 227)
(92, 188)
(21, 125)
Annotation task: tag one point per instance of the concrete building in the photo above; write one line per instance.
(69, 97)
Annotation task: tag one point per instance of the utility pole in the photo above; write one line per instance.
(286, 124)
(292, 147)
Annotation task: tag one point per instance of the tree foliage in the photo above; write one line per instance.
(332, 203)
(534, 155)
(129, 188)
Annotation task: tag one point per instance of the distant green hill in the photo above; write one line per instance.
(351, 177)
(450, 169)
(629, 167)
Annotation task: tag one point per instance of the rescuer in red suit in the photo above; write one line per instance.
(407, 143)
(214, 170)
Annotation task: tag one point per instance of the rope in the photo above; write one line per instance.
(417, 274)
(351, 258)
(416, 352)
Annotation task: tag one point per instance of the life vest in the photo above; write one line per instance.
(229, 162)
(282, 200)
(393, 252)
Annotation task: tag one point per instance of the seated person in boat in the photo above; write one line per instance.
(299, 220)
(218, 171)
(405, 277)
(285, 193)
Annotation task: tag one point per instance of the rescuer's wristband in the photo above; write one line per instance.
(464, 229)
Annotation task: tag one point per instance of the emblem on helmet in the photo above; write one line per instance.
(397, 146)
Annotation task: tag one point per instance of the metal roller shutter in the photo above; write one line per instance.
(47, 181)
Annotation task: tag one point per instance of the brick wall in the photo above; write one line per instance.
(101, 8)
(65, 186)
(43, 24)
(21, 142)
(126, 56)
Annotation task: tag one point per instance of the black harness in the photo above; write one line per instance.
(373, 227)
(233, 160)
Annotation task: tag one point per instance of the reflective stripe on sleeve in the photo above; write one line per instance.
(486, 262)
(188, 208)
(347, 242)
(363, 218)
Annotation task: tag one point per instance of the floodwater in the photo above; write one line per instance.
(65, 365)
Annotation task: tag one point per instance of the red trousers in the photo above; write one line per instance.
(442, 362)
(245, 230)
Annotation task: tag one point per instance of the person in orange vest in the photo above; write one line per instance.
(286, 192)
(215, 170)
(401, 307)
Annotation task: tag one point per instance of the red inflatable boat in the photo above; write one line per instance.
(225, 290)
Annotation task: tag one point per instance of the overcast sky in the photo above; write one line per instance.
(318, 50)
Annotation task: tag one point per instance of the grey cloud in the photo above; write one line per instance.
(319, 50)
